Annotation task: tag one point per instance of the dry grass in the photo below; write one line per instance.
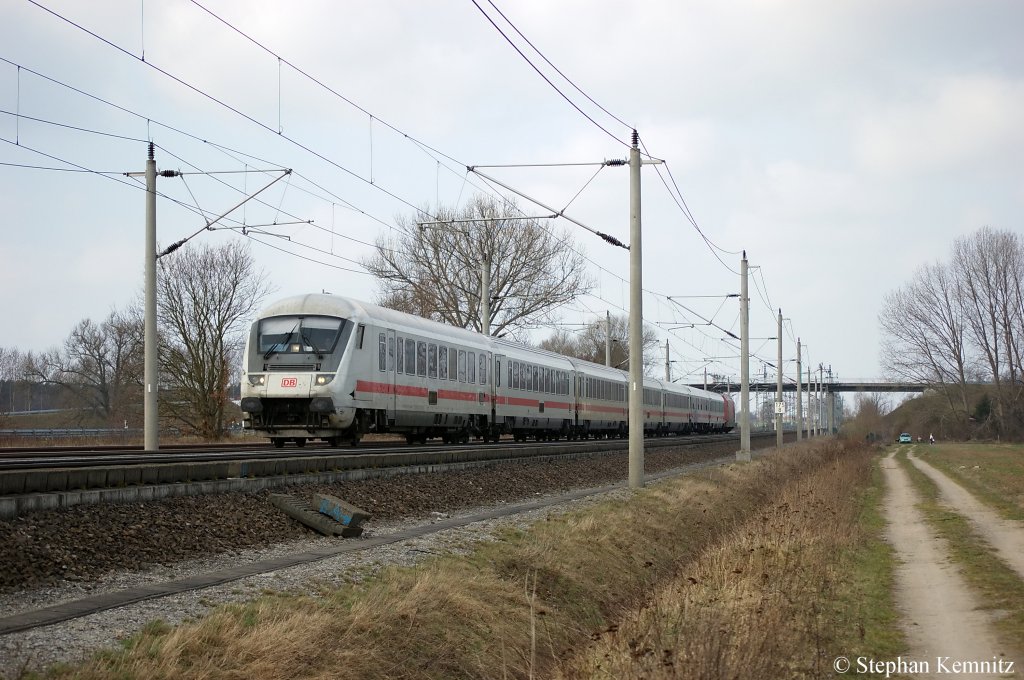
(526, 605)
(994, 473)
(761, 603)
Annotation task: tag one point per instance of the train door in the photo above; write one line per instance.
(493, 384)
(392, 378)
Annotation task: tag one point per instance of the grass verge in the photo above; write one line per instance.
(993, 473)
(807, 579)
(529, 604)
(998, 587)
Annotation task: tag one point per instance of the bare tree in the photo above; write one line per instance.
(988, 271)
(99, 366)
(924, 336)
(435, 270)
(589, 344)
(205, 296)
(962, 323)
(11, 363)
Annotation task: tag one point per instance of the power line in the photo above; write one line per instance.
(278, 133)
(557, 70)
(228, 151)
(244, 115)
(227, 106)
(546, 79)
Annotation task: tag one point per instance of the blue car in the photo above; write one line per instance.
(905, 438)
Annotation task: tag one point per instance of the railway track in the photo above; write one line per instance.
(50, 482)
(70, 457)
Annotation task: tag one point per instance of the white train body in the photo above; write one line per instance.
(332, 368)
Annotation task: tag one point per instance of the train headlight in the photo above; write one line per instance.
(258, 379)
(324, 378)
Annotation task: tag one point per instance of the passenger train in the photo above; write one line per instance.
(332, 368)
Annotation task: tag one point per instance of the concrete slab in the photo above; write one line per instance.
(56, 480)
(339, 510)
(302, 511)
(12, 483)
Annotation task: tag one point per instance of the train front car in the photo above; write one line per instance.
(296, 359)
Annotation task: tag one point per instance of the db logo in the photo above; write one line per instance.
(289, 382)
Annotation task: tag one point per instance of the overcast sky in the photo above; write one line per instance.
(842, 144)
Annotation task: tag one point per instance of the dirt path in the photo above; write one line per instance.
(941, 616)
(1005, 536)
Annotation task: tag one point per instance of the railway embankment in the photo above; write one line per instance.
(538, 599)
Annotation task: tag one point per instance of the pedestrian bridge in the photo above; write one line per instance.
(838, 386)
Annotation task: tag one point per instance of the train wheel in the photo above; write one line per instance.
(464, 437)
(300, 441)
(332, 441)
(355, 440)
(278, 442)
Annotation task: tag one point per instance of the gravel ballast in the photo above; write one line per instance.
(63, 555)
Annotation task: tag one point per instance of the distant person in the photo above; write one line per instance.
(931, 439)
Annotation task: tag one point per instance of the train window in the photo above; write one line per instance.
(360, 331)
(471, 367)
(421, 358)
(515, 375)
(401, 356)
(483, 369)
(547, 380)
(462, 365)
(299, 334)
(410, 356)
(453, 364)
(431, 360)
(442, 362)
(391, 353)
(509, 383)
(536, 379)
(382, 351)
(497, 372)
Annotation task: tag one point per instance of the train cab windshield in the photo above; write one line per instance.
(299, 334)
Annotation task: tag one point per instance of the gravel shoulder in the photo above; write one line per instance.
(941, 617)
(1005, 536)
(107, 548)
(76, 639)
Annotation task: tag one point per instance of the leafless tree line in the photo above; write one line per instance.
(960, 323)
(589, 343)
(205, 296)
